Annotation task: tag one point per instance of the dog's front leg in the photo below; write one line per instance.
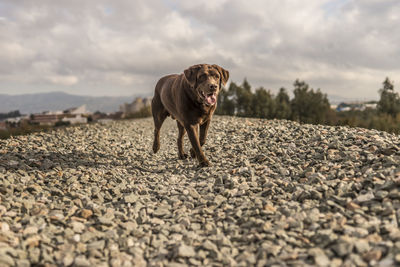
(203, 132)
(202, 136)
(193, 134)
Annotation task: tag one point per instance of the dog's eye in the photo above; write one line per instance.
(203, 76)
(216, 75)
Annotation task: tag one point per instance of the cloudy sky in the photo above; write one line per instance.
(99, 47)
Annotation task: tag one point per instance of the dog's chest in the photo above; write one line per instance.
(205, 115)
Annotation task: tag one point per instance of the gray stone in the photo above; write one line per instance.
(78, 227)
(105, 220)
(185, 251)
(97, 245)
(68, 259)
(22, 263)
(81, 261)
(365, 197)
(279, 193)
(131, 198)
(6, 260)
(342, 248)
(361, 246)
(319, 256)
(161, 212)
(212, 248)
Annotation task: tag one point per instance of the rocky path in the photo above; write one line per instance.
(278, 194)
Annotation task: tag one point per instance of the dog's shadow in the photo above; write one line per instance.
(32, 160)
(47, 161)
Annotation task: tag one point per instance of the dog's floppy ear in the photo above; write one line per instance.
(191, 74)
(223, 72)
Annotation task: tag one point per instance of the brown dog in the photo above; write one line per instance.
(191, 99)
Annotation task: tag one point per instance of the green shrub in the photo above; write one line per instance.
(142, 113)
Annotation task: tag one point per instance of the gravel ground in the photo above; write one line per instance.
(278, 194)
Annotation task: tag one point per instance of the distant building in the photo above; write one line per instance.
(79, 110)
(343, 107)
(75, 119)
(71, 115)
(45, 119)
(371, 105)
(360, 106)
(48, 112)
(135, 106)
(3, 125)
(75, 115)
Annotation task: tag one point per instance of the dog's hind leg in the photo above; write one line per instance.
(159, 115)
(182, 131)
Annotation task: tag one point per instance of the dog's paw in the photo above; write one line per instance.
(192, 153)
(183, 156)
(205, 163)
(156, 147)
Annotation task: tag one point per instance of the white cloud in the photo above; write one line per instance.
(63, 80)
(345, 47)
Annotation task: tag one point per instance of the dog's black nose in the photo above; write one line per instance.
(213, 87)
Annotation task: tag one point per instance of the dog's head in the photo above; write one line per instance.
(206, 81)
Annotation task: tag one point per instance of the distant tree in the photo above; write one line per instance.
(300, 102)
(244, 100)
(263, 105)
(309, 106)
(11, 114)
(222, 98)
(282, 104)
(246, 85)
(389, 101)
(226, 101)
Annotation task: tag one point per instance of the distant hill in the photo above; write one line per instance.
(34, 103)
(335, 99)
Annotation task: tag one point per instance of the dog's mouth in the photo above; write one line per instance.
(209, 98)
